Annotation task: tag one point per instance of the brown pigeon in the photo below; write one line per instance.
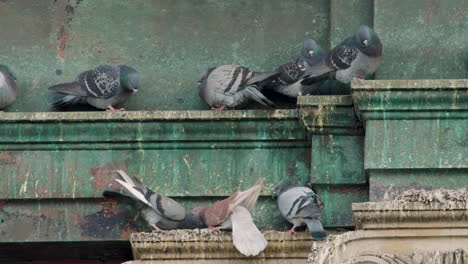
(234, 212)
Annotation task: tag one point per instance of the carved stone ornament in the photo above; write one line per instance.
(420, 227)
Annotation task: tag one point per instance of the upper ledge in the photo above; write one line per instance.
(334, 100)
(410, 85)
(148, 115)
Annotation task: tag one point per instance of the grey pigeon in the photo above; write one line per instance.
(7, 86)
(102, 87)
(234, 212)
(293, 80)
(354, 58)
(231, 86)
(160, 212)
(300, 206)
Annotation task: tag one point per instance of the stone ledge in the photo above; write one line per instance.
(411, 99)
(205, 246)
(147, 115)
(408, 85)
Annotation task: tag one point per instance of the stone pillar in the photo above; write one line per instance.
(416, 134)
(337, 155)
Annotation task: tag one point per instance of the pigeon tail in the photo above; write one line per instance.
(253, 93)
(262, 77)
(315, 228)
(249, 197)
(245, 235)
(61, 100)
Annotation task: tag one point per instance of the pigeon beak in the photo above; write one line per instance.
(135, 90)
(365, 42)
(311, 52)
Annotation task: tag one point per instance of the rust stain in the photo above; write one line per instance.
(62, 43)
(109, 207)
(2, 203)
(125, 233)
(41, 192)
(103, 178)
(7, 158)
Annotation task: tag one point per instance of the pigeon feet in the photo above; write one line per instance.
(157, 229)
(215, 228)
(114, 110)
(358, 80)
(292, 230)
(219, 108)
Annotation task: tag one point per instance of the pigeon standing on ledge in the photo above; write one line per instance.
(292, 80)
(354, 58)
(300, 206)
(231, 86)
(234, 212)
(102, 87)
(7, 86)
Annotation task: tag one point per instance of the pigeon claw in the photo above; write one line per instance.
(358, 80)
(222, 108)
(215, 228)
(292, 230)
(157, 229)
(114, 110)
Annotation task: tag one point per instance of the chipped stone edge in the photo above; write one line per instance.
(148, 115)
(411, 85)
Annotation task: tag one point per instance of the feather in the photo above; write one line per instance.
(245, 235)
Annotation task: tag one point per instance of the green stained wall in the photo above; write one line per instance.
(170, 42)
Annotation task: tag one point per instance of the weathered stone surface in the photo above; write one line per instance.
(205, 246)
(422, 227)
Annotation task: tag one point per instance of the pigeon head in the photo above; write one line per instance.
(129, 78)
(367, 41)
(6, 69)
(310, 49)
(281, 187)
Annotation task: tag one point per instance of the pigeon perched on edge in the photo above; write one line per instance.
(102, 87)
(7, 86)
(354, 58)
(231, 86)
(234, 212)
(300, 206)
(292, 80)
(160, 212)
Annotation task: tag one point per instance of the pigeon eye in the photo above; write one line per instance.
(365, 42)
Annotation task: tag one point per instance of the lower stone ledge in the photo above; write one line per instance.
(205, 246)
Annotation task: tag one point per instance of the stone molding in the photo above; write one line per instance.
(205, 246)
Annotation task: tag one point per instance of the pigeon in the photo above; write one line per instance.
(102, 87)
(160, 212)
(231, 86)
(234, 212)
(7, 86)
(353, 59)
(293, 80)
(300, 206)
